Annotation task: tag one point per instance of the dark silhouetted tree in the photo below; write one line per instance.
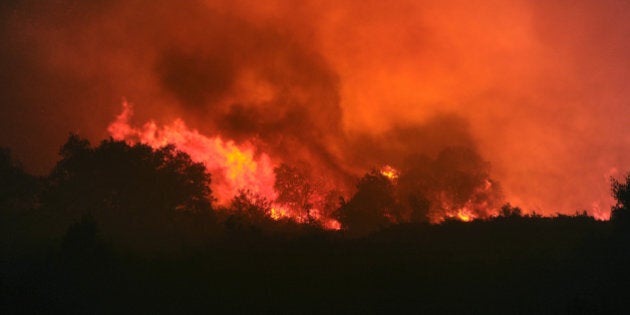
(82, 241)
(372, 207)
(332, 200)
(251, 205)
(420, 207)
(293, 188)
(621, 210)
(457, 177)
(462, 172)
(132, 181)
(508, 211)
(17, 188)
(249, 212)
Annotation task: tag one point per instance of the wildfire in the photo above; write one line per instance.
(239, 167)
(477, 207)
(464, 215)
(332, 224)
(234, 167)
(389, 172)
(277, 213)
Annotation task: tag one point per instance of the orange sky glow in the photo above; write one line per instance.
(539, 89)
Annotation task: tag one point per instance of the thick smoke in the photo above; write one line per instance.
(538, 90)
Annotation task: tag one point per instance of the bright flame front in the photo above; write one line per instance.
(234, 167)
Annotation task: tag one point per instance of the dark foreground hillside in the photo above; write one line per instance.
(129, 229)
(571, 265)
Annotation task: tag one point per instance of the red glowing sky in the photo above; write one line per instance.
(542, 88)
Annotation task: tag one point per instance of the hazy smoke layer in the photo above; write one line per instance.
(540, 90)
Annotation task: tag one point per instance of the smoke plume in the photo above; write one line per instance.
(539, 90)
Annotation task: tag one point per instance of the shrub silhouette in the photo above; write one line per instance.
(508, 211)
(248, 210)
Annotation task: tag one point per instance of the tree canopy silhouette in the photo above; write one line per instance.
(293, 188)
(621, 192)
(126, 179)
(17, 188)
(456, 177)
(372, 207)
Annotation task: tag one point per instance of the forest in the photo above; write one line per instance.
(127, 228)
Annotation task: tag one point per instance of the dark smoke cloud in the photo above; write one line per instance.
(217, 70)
(396, 145)
(194, 80)
(438, 163)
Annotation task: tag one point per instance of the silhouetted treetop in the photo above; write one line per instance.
(456, 177)
(372, 207)
(116, 176)
(17, 188)
(509, 211)
(293, 188)
(621, 192)
(251, 205)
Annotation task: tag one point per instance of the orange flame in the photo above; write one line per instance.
(234, 167)
(389, 172)
(278, 213)
(465, 215)
(474, 208)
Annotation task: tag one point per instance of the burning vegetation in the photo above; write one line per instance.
(123, 214)
(334, 89)
(455, 184)
(334, 155)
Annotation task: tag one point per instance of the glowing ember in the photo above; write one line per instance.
(598, 213)
(278, 213)
(389, 172)
(476, 207)
(332, 224)
(464, 215)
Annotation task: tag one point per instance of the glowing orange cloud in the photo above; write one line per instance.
(541, 85)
